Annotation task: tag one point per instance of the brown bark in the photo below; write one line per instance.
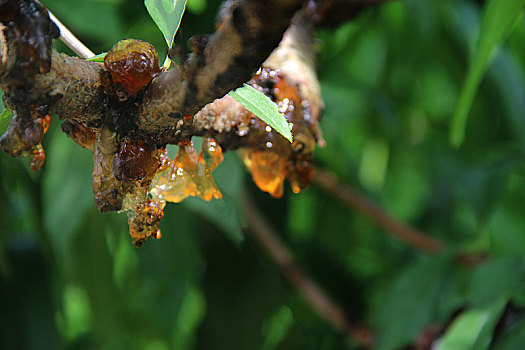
(126, 111)
(224, 61)
(247, 33)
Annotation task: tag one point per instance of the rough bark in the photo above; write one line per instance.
(223, 61)
(126, 110)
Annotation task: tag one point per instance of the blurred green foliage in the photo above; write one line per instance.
(499, 19)
(71, 279)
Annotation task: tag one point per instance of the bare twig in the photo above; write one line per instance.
(71, 40)
(356, 201)
(313, 294)
(331, 13)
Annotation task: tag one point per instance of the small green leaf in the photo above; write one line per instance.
(189, 317)
(277, 327)
(499, 19)
(98, 58)
(5, 117)
(167, 14)
(264, 108)
(473, 329)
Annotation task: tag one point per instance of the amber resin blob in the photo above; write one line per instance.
(188, 174)
(132, 64)
(273, 159)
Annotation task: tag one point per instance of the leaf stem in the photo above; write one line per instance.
(167, 63)
(71, 40)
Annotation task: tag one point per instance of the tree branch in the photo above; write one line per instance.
(126, 111)
(331, 13)
(320, 302)
(221, 62)
(295, 60)
(354, 200)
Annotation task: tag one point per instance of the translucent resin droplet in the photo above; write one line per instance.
(145, 204)
(272, 158)
(191, 172)
(134, 201)
(145, 223)
(132, 64)
(161, 183)
(37, 157)
(268, 170)
(212, 153)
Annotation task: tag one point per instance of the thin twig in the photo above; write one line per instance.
(313, 294)
(71, 40)
(356, 201)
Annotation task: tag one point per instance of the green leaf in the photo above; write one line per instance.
(77, 311)
(190, 316)
(264, 108)
(98, 58)
(498, 21)
(473, 329)
(497, 278)
(167, 14)
(5, 117)
(277, 327)
(426, 291)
